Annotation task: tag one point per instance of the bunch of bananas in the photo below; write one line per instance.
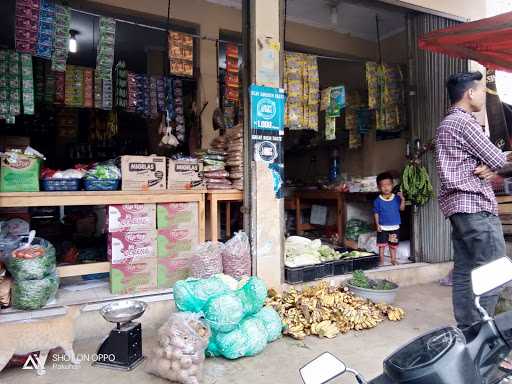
(327, 311)
(392, 313)
(416, 184)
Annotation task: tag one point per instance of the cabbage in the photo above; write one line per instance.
(300, 251)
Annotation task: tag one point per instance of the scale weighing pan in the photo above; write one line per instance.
(123, 311)
(122, 348)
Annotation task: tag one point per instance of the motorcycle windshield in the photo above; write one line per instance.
(426, 349)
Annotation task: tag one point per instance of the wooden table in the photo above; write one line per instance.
(214, 197)
(339, 198)
(56, 199)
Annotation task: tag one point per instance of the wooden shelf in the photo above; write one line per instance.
(83, 269)
(47, 199)
(225, 195)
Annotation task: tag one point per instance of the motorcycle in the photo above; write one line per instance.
(446, 355)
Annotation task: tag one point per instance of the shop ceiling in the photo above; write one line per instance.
(356, 18)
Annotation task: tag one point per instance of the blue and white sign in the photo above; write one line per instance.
(267, 109)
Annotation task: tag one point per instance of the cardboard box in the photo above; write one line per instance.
(185, 174)
(131, 217)
(19, 173)
(171, 270)
(131, 277)
(142, 173)
(130, 247)
(177, 215)
(172, 243)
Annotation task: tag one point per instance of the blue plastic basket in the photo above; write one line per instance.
(54, 185)
(101, 184)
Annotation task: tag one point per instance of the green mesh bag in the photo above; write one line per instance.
(253, 295)
(36, 268)
(34, 294)
(224, 312)
(191, 295)
(255, 334)
(272, 321)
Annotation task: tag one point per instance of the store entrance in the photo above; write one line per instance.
(346, 123)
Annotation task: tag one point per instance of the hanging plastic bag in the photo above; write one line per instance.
(179, 356)
(236, 258)
(207, 260)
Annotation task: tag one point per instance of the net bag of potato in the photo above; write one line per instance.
(180, 354)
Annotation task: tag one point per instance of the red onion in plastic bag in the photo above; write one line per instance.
(207, 260)
(236, 258)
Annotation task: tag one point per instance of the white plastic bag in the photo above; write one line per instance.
(207, 260)
(236, 258)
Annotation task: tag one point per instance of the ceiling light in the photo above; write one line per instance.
(73, 46)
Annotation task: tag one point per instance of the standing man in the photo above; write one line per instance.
(466, 160)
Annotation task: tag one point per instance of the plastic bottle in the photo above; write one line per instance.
(334, 168)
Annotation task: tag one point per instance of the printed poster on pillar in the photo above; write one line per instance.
(267, 129)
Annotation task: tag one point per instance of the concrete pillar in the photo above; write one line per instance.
(263, 33)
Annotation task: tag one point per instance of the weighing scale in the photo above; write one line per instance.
(122, 348)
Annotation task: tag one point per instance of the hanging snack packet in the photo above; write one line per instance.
(27, 78)
(105, 56)
(61, 38)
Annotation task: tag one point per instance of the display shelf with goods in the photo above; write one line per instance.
(58, 199)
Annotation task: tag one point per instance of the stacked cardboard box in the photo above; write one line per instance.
(132, 247)
(178, 234)
(143, 173)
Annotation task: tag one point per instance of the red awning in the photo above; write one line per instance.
(488, 41)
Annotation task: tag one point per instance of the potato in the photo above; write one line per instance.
(169, 353)
(194, 369)
(171, 376)
(186, 362)
(175, 366)
(164, 366)
(159, 352)
(164, 341)
(182, 376)
(178, 354)
(178, 342)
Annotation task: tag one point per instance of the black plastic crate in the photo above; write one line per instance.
(343, 266)
(325, 269)
(294, 275)
(366, 262)
(102, 184)
(55, 185)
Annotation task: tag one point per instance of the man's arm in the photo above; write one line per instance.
(479, 145)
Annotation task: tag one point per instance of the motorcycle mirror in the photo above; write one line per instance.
(322, 369)
(491, 276)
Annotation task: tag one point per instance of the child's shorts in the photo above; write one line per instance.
(391, 238)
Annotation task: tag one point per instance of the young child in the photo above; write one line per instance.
(386, 209)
